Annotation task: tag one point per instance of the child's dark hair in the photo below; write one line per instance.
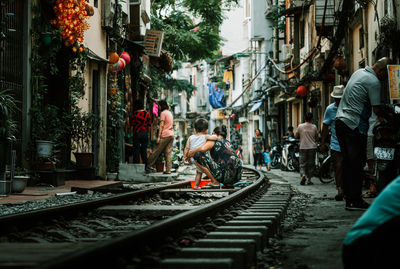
(290, 128)
(221, 130)
(163, 105)
(201, 125)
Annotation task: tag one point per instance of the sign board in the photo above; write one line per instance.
(217, 115)
(152, 42)
(394, 81)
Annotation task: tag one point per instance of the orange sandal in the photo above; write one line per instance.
(369, 194)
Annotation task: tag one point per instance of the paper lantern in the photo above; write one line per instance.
(114, 67)
(89, 10)
(301, 91)
(126, 57)
(113, 59)
(339, 63)
(122, 64)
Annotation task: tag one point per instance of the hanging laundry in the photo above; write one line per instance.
(216, 95)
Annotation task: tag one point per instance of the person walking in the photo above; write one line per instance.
(337, 157)
(362, 91)
(308, 135)
(258, 149)
(140, 122)
(164, 140)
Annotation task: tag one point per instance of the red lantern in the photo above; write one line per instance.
(301, 91)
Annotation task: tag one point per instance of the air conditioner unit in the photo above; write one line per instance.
(286, 51)
(108, 13)
(134, 2)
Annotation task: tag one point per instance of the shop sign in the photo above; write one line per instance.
(394, 81)
(217, 115)
(152, 42)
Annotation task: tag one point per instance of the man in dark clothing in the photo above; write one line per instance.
(362, 91)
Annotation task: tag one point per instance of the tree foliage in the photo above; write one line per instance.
(191, 27)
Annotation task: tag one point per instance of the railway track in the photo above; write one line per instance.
(225, 228)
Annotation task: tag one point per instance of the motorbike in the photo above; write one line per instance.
(276, 156)
(290, 155)
(386, 147)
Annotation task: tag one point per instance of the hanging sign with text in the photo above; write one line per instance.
(152, 42)
(394, 81)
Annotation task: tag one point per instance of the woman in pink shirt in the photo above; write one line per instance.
(165, 139)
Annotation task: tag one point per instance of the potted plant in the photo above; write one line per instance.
(46, 129)
(19, 180)
(8, 128)
(83, 126)
(160, 163)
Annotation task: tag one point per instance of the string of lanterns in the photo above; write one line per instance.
(117, 63)
(71, 16)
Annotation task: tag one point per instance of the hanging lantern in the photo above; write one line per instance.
(124, 55)
(301, 91)
(339, 63)
(113, 59)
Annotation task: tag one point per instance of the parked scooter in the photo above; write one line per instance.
(290, 155)
(386, 147)
(276, 156)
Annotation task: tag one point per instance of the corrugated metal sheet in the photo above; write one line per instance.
(329, 14)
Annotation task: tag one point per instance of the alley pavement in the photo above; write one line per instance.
(316, 225)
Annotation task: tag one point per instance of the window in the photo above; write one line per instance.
(96, 3)
(361, 36)
(302, 25)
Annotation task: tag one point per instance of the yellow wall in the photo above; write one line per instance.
(97, 44)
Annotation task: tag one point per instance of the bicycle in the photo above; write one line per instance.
(324, 167)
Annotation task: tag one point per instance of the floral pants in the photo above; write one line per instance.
(226, 173)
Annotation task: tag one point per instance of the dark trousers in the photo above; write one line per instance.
(353, 147)
(140, 141)
(337, 161)
(258, 159)
(376, 250)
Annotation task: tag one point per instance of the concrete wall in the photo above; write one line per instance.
(94, 37)
(95, 40)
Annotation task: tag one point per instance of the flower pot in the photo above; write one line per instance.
(44, 148)
(112, 176)
(45, 166)
(83, 159)
(19, 183)
(160, 167)
(5, 186)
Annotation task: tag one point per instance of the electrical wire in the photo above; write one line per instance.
(313, 51)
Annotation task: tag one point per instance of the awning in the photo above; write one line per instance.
(296, 9)
(93, 56)
(256, 106)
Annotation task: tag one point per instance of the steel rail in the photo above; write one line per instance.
(26, 219)
(101, 253)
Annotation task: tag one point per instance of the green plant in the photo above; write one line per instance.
(46, 124)
(115, 118)
(83, 126)
(8, 105)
